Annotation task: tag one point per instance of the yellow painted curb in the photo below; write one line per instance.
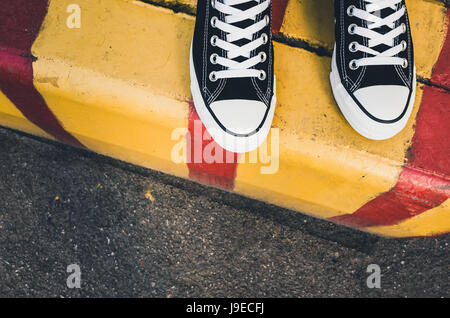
(120, 85)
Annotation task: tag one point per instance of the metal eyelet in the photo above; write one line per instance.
(404, 45)
(404, 28)
(265, 38)
(351, 28)
(214, 39)
(212, 76)
(350, 10)
(353, 47)
(213, 58)
(353, 65)
(405, 63)
(263, 57)
(262, 75)
(266, 18)
(213, 21)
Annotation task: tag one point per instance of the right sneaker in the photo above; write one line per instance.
(232, 78)
(372, 74)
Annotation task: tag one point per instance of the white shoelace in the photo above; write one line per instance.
(234, 33)
(387, 57)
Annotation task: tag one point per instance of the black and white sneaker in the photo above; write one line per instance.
(372, 74)
(232, 80)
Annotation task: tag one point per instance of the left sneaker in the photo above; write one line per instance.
(372, 74)
(232, 78)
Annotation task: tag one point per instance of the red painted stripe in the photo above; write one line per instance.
(414, 193)
(424, 183)
(441, 72)
(430, 150)
(20, 22)
(278, 11)
(200, 144)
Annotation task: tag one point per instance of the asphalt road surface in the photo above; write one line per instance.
(139, 233)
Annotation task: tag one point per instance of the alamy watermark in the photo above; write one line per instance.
(74, 19)
(198, 146)
(374, 279)
(74, 279)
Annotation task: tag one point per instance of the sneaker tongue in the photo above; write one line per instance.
(244, 24)
(381, 74)
(383, 29)
(245, 6)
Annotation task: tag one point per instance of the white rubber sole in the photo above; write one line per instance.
(360, 122)
(228, 141)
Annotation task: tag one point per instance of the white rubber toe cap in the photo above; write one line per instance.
(385, 102)
(239, 116)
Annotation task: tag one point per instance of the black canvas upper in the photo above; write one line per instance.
(366, 76)
(229, 88)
